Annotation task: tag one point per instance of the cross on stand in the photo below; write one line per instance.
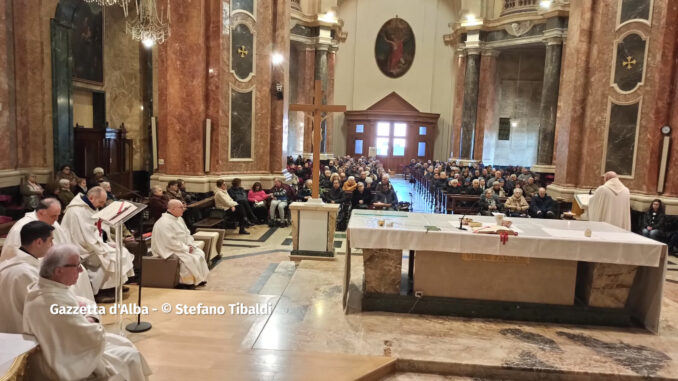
(316, 109)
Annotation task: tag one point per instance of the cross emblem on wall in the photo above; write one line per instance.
(628, 64)
(242, 51)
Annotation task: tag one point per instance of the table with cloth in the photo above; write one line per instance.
(550, 263)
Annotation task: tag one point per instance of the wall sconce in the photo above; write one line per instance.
(279, 90)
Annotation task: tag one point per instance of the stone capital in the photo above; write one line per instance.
(554, 36)
(489, 52)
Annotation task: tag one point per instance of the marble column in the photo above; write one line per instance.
(182, 89)
(549, 100)
(280, 74)
(321, 73)
(7, 117)
(305, 95)
(487, 100)
(460, 69)
(470, 107)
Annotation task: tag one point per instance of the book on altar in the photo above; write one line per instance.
(495, 229)
(116, 212)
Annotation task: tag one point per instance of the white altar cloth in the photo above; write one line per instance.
(537, 238)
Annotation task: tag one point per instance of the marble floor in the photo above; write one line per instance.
(307, 336)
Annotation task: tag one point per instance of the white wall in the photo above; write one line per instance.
(429, 83)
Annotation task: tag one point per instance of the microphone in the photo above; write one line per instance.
(461, 223)
(591, 191)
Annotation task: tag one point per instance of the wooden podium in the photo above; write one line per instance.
(580, 204)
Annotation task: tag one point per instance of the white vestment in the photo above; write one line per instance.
(97, 256)
(171, 237)
(611, 203)
(72, 347)
(16, 275)
(13, 242)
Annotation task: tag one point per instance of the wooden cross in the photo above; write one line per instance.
(242, 51)
(628, 64)
(316, 109)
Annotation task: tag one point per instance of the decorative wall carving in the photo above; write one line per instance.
(517, 29)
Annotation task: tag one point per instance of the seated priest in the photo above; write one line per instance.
(516, 205)
(47, 211)
(171, 237)
(222, 200)
(98, 255)
(19, 272)
(542, 205)
(73, 346)
(489, 203)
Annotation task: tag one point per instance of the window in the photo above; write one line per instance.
(383, 129)
(399, 129)
(359, 128)
(358, 147)
(382, 146)
(398, 147)
(421, 149)
(504, 129)
(422, 130)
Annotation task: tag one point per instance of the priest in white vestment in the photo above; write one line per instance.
(73, 346)
(171, 237)
(47, 211)
(611, 203)
(18, 273)
(86, 232)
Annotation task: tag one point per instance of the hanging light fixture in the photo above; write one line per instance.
(107, 3)
(149, 27)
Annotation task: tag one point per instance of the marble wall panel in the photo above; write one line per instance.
(486, 102)
(241, 125)
(634, 9)
(245, 5)
(219, 14)
(242, 51)
(621, 138)
(7, 107)
(630, 62)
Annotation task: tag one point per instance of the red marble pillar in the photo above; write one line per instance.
(574, 89)
(7, 117)
(331, 60)
(217, 90)
(278, 117)
(486, 100)
(182, 90)
(460, 69)
(29, 49)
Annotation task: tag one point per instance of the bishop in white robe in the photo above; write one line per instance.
(171, 237)
(611, 203)
(48, 211)
(73, 346)
(86, 232)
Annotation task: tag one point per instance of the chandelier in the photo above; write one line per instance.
(105, 3)
(149, 27)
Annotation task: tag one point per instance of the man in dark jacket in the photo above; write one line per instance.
(542, 205)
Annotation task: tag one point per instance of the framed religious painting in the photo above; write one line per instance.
(394, 48)
(87, 43)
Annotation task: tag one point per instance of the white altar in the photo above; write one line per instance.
(544, 263)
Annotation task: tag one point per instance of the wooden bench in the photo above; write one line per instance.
(468, 204)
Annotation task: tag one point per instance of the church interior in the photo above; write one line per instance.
(339, 189)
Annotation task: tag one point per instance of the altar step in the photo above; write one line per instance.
(411, 370)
